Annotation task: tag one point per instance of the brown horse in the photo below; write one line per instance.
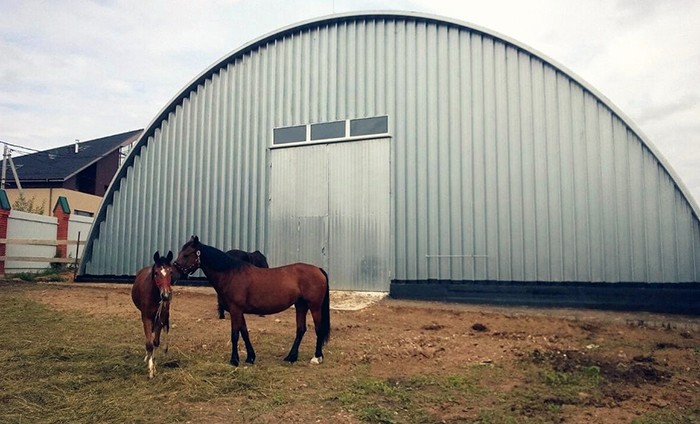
(255, 258)
(151, 293)
(246, 289)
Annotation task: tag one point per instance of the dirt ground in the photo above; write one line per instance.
(650, 362)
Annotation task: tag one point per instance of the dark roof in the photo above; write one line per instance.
(61, 163)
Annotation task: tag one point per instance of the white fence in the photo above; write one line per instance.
(32, 239)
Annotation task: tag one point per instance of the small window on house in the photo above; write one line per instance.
(328, 130)
(369, 126)
(83, 213)
(290, 134)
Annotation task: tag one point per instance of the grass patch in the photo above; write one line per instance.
(664, 417)
(48, 274)
(415, 398)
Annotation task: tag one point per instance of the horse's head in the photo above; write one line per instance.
(188, 260)
(162, 273)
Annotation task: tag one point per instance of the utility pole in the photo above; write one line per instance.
(4, 166)
(7, 157)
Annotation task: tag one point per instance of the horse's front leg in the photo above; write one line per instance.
(162, 322)
(250, 353)
(148, 332)
(220, 305)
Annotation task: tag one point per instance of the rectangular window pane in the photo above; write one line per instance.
(369, 126)
(328, 130)
(290, 134)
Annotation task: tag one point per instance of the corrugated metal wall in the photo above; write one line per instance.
(504, 167)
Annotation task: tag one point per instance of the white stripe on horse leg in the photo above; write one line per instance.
(316, 360)
(151, 367)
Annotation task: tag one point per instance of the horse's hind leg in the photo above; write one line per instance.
(318, 355)
(301, 307)
(238, 326)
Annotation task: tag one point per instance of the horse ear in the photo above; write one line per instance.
(156, 256)
(194, 240)
(170, 256)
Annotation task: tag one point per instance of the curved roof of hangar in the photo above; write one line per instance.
(352, 16)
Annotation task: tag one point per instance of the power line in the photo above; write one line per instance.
(17, 146)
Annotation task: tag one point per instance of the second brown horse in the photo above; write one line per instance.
(246, 289)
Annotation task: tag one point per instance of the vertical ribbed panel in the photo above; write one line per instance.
(358, 209)
(502, 166)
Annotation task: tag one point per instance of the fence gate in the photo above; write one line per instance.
(330, 206)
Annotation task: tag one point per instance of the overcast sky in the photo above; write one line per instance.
(87, 69)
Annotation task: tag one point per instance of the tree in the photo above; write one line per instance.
(27, 205)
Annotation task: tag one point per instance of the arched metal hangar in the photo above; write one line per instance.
(413, 154)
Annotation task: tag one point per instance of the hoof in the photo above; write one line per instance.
(250, 361)
(290, 359)
(316, 360)
(234, 363)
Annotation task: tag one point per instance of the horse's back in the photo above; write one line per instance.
(310, 278)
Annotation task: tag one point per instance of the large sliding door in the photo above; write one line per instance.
(330, 206)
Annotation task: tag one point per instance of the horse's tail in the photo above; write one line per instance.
(325, 328)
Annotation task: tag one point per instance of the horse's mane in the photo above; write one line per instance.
(218, 260)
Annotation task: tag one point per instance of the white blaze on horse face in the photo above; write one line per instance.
(163, 272)
(316, 360)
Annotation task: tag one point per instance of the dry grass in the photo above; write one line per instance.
(68, 366)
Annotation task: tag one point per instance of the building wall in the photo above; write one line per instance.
(504, 166)
(80, 202)
(106, 168)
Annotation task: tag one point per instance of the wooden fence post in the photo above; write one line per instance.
(4, 218)
(62, 213)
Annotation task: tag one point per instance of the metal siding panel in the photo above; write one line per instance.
(478, 178)
(580, 184)
(651, 215)
(596, 255)
(423, 133)
(515, 166)
(666, 228)
(696, 249)
(609, 245)
(412, 223)
(529, 166)
(401, 163)
(684, 242)
(541, 184)
(552, 163)
(157, 228)
(457, 156)
(431, 117)
(567, 179)
(502, 164)
(624, 262)
(491, 162)
(636, 218)
(443, 169)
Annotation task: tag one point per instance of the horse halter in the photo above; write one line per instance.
(192, 268)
